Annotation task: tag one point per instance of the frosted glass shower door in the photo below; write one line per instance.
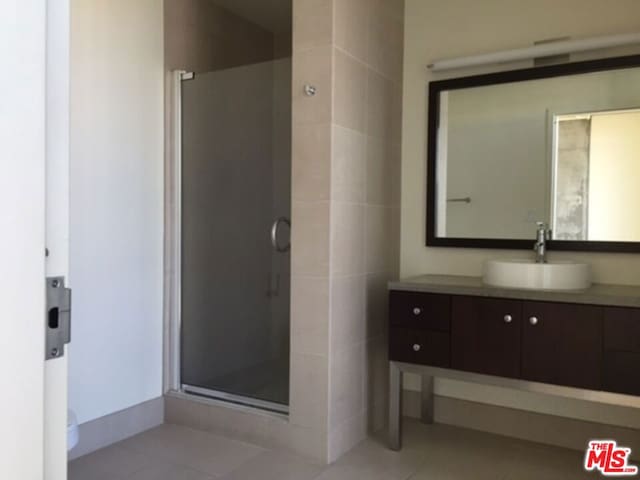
(236, 183)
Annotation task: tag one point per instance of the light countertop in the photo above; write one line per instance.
(597, 294)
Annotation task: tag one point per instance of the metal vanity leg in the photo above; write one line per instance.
(395, 407)
(426, 403)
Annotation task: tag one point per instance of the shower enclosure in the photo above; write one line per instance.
(235, 210)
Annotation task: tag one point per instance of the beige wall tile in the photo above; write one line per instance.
(396, 172)
(348, 321)
(184, 412)
(309, 391)
(310, 315)
(394, 269)
(312, 23)
(366, 100)
(351, 27)
(347, 238)
(200, 36)
(386, 37)
(380, 96)
(310, 238)
(309, 442)
(380, 235)
(348, 165)
(311, 162)
(349, 92)
(377, 303)
(247, 426)
(376, 377)
(346, 436)
(236, 422)
(314, 67)
(377, 416)
(346, 395)
(380, 172)
(396, 114)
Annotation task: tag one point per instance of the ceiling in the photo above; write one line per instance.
(273, 15)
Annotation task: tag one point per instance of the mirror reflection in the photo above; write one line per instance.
(562, 150)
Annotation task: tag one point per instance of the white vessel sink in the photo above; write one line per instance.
(528, 275)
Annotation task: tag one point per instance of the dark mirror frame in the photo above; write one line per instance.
(567, 69)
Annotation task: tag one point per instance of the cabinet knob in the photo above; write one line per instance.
(508, 318)
(417, 310)
(533, 320)
(416, 347)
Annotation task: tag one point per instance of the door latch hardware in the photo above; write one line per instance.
(57, 318)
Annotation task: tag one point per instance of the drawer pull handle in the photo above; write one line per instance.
(533, 320)
(416, 347)
(417, 311)
(508, 318)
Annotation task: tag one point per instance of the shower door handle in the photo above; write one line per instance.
(274, 234)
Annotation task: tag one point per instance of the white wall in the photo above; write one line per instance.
(437, 29)
(116, 204)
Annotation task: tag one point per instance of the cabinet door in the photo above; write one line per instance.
(562, 344)
(485, 335)
(620, 372)
(621, 350)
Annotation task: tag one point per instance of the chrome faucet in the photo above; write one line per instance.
(543, 234)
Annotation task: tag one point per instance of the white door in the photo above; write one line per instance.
(33, 397)
(57, 222)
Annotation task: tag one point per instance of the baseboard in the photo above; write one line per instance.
(510, 422)
(104, 431)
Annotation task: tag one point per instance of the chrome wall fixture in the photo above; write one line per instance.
(310, 90)
(459, 200)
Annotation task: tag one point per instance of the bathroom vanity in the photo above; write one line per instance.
(579, 344)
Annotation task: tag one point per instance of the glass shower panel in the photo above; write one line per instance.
(236, 202)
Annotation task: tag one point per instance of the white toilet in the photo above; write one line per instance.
(72, 430)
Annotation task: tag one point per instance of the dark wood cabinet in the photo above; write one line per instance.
(419, 328)
(562, 344)
(621, 372)
(425, 347)
(621, 350)
(584, 346)
(420, 310)
(485, 335)
(622, 329)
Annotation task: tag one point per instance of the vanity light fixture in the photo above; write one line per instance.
(537, 51)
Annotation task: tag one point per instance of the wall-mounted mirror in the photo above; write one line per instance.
(557, 144)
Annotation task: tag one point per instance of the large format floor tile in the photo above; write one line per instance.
(204, 452)
(430, 452)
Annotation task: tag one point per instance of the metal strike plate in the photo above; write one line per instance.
(57, 318)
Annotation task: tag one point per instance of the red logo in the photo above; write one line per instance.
(609, 459)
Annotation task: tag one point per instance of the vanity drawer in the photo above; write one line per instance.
(621, 372)
(419, 346)
(420, 310)
(622, 329)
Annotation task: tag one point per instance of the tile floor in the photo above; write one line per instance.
(436, 452)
